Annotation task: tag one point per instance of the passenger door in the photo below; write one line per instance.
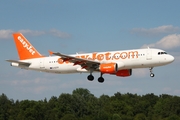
(148, 54)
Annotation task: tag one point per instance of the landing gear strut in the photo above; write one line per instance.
(90, 77)
(151, 73)
(101, 79)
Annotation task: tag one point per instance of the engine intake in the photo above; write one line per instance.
(110, 68)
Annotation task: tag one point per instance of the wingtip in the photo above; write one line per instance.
(50, 52)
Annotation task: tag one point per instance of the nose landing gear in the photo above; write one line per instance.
(151, 73)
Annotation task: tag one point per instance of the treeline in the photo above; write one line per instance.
(82, 105)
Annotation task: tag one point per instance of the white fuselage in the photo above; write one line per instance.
(128, 59)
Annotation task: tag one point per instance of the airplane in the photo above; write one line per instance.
(119, 63)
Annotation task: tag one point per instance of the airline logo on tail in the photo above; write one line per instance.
(26, 45)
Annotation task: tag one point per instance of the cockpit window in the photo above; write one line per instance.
(161, 53)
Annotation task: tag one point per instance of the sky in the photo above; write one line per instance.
(83, 26)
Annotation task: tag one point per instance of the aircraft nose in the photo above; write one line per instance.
(170, 58)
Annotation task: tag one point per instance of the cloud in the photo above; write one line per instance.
(59, 34)
(7, 34)
(35, 86)
(176, 92)
(177, 58)
(171, 91)
(166, 29)
(168, 42)
(140, 73)
(23, 72)
(32, 33)
(167, 89)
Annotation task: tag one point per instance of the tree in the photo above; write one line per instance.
(5, 106)
(84, 93)
(52, 109)
(82, 105)
(173, 117)
(69, 117)
(116, 117)
(140, 116)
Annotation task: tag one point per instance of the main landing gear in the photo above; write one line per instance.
(101, 79)
(91, 78)
(151, 73)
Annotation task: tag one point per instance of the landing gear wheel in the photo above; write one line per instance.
(90, 77)
(152, 74)
(101, 79)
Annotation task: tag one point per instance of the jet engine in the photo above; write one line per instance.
(110, 68)
(124, 73)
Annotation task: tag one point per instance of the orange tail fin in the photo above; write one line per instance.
(24, 47)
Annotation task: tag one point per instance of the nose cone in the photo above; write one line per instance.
(170, 58)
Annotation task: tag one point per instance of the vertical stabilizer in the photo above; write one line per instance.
(24, 48)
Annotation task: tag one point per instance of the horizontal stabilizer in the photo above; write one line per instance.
(19, 62)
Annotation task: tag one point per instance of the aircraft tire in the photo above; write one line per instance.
(152, 75)
(101, 79)
(90, 77)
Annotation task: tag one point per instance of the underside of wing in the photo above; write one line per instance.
(85, 63)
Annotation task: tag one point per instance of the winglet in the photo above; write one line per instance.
(50, 52)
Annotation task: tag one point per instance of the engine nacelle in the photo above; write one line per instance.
(110, 68)
(124, 73)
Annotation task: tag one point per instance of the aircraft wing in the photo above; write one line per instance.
(85, 63)
(19, 62)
